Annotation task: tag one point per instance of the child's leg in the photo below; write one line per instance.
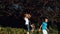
(44, 31)
(28, 29)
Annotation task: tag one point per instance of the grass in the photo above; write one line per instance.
(8, 30)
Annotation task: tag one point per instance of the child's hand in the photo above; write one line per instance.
(47, 29)
(39, 30)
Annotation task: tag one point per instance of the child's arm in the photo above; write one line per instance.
(40, 28)
(47, 29)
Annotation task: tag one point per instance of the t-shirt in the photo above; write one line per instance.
(26, 21)
(44, 25)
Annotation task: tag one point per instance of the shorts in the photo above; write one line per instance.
(44, 31)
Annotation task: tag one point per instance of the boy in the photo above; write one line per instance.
(44, 26)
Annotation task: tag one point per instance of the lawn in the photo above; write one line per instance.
(9, 30)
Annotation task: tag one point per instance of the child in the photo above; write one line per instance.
(33, 27)
(26, 18)
(44, 26)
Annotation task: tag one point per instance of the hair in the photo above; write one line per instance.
(25, 14)
(44, 18)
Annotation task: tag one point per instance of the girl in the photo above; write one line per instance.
(26, 18)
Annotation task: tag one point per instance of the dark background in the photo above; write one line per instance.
(12, 12)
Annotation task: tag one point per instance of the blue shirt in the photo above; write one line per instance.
(44, 25)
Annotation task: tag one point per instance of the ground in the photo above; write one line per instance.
(9, 30)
